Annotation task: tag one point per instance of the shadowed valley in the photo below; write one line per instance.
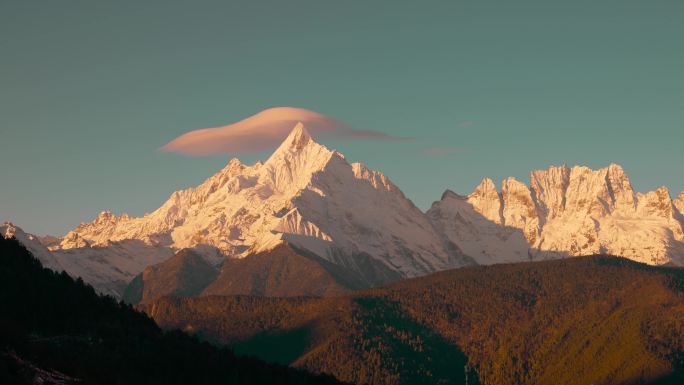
(601, 320)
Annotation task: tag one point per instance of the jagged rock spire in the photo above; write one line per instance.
(298, 138)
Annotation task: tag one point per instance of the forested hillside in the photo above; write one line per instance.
(584, 320)
(279, 272)
(54, 330)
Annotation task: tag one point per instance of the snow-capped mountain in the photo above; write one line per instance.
(355, 228)
(304, 194)
(32, 244)
(566, 212)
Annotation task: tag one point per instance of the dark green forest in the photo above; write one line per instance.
(584, 320)
(57, 330)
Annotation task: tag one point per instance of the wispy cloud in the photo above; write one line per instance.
(467, 123)
(263, 131)
(436, 151)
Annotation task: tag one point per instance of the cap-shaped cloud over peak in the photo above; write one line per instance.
(262, 131)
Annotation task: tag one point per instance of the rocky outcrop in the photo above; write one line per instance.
(567, 212)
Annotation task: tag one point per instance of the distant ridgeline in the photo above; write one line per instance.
(54, 330)
(583, 320)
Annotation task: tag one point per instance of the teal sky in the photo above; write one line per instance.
(90, 90)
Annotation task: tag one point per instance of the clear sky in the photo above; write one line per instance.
(90, 90)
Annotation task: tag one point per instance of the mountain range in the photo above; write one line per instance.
(308, 222)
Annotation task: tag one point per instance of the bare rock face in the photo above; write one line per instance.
(549, 187)
(486, 201)
(568, 212)
(520, 209)
(679, 203)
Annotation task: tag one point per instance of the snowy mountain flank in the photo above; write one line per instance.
(304, 194)
(566, 212)
(32, 244)
(355, 228)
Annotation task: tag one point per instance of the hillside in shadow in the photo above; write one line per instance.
(583, 320)
(56, 330)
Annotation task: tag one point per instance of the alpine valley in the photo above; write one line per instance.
(322, 271)
(307, 222)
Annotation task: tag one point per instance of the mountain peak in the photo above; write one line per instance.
(679, 202)
(293, 164)
(298, 138)
(614, 167)
(233, 167)
(450, 194)
(487, 186)
(617, 174)
(486, 200)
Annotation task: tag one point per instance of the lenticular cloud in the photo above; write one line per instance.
(261, 132)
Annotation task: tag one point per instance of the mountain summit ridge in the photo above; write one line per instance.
(566, 211)
(310, 197)
(304, 194)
